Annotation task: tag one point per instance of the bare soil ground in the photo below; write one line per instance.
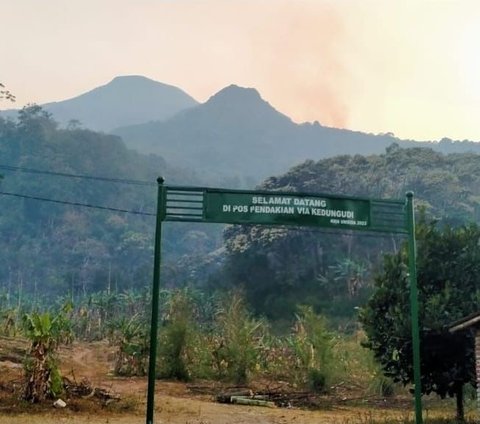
(175, 403)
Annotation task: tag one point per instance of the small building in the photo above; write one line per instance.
(471, 322)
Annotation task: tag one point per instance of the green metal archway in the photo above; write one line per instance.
(213, 205)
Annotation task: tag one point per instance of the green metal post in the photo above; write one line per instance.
(412, 258)
(155, 295)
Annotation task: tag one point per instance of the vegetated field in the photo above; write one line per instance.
(192, 403)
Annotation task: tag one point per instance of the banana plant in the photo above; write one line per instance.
(45, 331)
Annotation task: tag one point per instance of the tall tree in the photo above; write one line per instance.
(449, 288)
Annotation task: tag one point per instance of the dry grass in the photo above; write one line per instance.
(176, 404)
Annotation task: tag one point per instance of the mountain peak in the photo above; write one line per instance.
(121, 78)
(134, 81)
(238, 93)
(237, 97)
(240, 102)
(125, 100)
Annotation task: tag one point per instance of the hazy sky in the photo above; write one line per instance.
(411, 67)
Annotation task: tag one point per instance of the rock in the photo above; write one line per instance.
(59, 403)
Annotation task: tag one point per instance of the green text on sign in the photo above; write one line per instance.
(322, 211)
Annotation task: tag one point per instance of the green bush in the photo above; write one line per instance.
(175, 337)
(239, 341)
(131, 338)
(312, 346)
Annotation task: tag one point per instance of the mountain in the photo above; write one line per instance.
(235, 132)
(235, 139)
(238, 134)
(126, 100)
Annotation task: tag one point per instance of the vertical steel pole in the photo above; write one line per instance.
(477, 369)
(412, 265)
(155, 295)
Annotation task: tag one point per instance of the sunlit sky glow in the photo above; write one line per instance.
(411, 67)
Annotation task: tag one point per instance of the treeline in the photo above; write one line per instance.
(280, 267)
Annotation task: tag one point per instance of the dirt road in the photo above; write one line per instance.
(176, 403)
(172, 410)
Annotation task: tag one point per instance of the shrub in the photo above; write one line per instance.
(131, 338)
(312, 345)
(239, 340)
(175, 337)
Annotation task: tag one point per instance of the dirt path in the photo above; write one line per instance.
(172, 410)
(175, 403)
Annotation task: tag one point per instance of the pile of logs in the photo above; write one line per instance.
(267, 398)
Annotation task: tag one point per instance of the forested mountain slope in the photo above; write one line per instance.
(281, 267)
(55, 249)
(238, 134)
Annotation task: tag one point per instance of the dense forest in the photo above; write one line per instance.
(51, 249)
(280, 268)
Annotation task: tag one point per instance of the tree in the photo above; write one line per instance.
(6, 94)
(448, 269)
